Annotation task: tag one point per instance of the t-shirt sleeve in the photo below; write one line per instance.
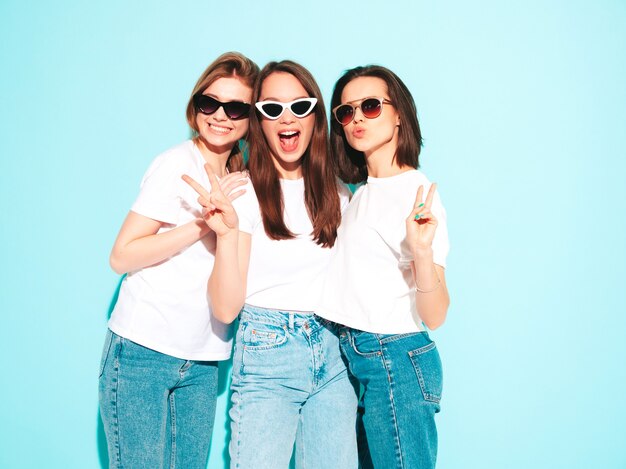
(247, 208)
(158, 198)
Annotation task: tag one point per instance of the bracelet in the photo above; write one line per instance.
(418, 289)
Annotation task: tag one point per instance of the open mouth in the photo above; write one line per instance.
(289, 140)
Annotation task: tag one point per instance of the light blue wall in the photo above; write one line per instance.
(523, 109)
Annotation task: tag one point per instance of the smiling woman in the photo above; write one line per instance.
(272, 255)
(158, 377)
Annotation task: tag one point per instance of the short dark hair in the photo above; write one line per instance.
(350, 162)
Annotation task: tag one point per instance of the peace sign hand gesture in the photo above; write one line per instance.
(217, 210)
(421, 223)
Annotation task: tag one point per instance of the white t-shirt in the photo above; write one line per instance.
(369, 285)
(285, 274)
(165, 307)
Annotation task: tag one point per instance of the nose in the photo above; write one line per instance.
(220, 114)
(287, 117)
(358, 115)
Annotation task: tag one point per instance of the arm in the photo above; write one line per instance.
(138, 245)
(431, 293)
(227, 283)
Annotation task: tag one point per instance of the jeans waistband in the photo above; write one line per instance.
(276, 316)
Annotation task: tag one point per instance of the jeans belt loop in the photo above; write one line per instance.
(291, 321)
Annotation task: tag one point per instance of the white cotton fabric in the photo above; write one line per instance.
(286, 274)
(369, 285)
(165, 307)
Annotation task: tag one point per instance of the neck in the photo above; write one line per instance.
(288, 170)
(216, 157)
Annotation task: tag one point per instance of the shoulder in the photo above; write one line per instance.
(176, 158)
(345, 194)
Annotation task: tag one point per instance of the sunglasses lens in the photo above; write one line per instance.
(371, 108)
(344, 114)
(272, 109)
(301, 108)
(236, 109)
(205, 104)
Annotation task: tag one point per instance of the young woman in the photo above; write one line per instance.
(387, 277)
(158, 376)
(289, 382)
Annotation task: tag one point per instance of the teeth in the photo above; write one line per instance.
(288, 133)
(219, 129)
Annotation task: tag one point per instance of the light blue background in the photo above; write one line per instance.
(523, 109)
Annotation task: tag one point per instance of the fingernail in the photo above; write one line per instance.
(417, 217)
(420, 205)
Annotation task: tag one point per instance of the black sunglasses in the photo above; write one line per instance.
(370, 107)
(233, 109)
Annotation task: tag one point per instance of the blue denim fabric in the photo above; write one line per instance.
(402, 382)
(290, 385)
(157, 410)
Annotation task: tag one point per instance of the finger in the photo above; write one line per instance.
(222, 204)
(204, 201)
(418, 197)
(228, 188)
(215, 185)
(235, 195)
(425, 217)
(232, 177)
(430, 195)
(196, 186)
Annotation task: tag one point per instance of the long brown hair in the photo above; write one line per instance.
(351, 163)
(320, 179)
(229, 64)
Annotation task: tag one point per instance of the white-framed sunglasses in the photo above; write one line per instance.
(274, 109)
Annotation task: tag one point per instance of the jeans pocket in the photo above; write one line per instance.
(262, 336)
(365, 344)
(427, 364)
(105, 351)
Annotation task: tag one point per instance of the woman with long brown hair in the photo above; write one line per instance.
(289, 383)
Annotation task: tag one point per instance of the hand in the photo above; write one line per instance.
(217, 210)
(421, 223)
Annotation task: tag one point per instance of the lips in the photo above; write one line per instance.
(358, 132)
(289, 140)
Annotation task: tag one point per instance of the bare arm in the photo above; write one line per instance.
(138, 245)
(431, 293)
(227, 283)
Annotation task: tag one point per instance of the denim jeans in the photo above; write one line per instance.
(157, 410)
(290, 386)
(402, 382)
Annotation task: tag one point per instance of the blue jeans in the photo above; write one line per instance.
(157, 410)
(290, 386)
(402, 382)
